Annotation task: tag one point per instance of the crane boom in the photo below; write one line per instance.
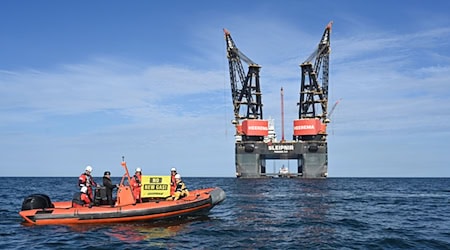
(312, 92)
(334, 107)
(313, 104)
(245, 88)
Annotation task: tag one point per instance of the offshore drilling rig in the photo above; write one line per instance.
(255, 140)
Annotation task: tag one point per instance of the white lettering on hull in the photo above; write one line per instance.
(281, 148)
(257, 128)
(303, 127)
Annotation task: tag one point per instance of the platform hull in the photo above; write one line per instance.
(311, 156)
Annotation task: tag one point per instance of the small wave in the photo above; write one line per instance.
(394, 243)
(353, 223)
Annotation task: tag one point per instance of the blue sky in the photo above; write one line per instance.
(87, 82)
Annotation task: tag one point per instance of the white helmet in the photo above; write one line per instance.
(83, 189)
(138, 170)
(177, 176)
(173, 169)
(89, 168)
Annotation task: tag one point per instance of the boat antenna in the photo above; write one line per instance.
(282, 115)
(127, 174)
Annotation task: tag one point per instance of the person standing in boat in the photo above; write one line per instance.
(86, 180)
(82, 199)
(181, 189)
(136, 183)
(173, 182)
(109, 187)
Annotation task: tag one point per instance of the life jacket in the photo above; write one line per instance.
(135, 181)
(81, 200)
(173, 184)
(180, 187)
(86, 179)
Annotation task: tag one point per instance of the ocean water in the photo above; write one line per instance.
(334, 213)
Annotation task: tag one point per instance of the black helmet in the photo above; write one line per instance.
(107, 173)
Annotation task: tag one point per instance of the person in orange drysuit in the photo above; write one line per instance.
(82, 199)
(86, 180)
(173, 182)
(136, 183)
(181, 190)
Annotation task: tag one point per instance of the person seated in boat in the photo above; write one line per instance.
(173, 182)
(136, 184)
(109, 187)
(181, 189)
(86, 180)
(81, 199)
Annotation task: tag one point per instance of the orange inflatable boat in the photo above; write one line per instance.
(38, 208)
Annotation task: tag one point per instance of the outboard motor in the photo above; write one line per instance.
(37, 201)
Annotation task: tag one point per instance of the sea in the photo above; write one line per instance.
(275, 213)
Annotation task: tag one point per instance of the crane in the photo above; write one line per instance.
(313, 104)
(255, 140)
(245, 92)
